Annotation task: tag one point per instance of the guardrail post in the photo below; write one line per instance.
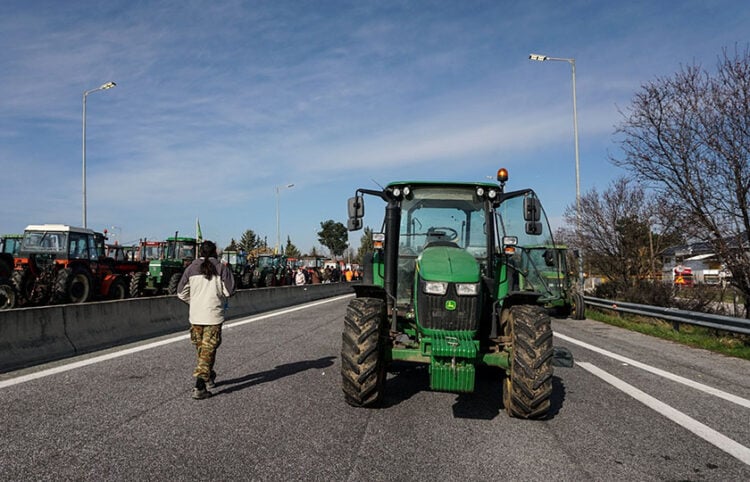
(676, 325)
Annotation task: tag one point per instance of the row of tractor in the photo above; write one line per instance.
(55, 264)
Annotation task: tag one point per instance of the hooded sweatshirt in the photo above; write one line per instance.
(206, 297)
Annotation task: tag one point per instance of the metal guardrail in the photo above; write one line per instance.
(677, 317)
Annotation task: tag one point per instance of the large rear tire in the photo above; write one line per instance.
(72, 286)
(362, 352)
(246, 280)
(528, 387)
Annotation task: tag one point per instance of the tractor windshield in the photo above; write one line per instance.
(265, 262)
(181, 250)
(149, 252)
(44, 242)
(537, 259)
(229, 257)
(438, 216)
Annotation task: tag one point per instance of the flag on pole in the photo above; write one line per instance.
(198, 233)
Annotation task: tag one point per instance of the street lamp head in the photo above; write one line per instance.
(290, 185)
(108, 85)
(537, 57)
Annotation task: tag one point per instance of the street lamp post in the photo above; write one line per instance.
(572, 62)
(106, 86)
(278, 224)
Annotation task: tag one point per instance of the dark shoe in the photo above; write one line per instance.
(199, 394)
(199, 391)
(211, 383)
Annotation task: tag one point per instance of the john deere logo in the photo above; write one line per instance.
(450, 305)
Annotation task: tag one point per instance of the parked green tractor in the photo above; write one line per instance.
(565, 299)
(454, 282)
(241, 269)
(164, 273)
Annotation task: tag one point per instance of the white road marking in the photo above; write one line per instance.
(109, 356)
(705, 432)
(656, 371)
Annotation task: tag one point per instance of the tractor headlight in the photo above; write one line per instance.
(435, 287)
(467, 289)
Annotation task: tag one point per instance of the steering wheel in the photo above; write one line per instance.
(446, 233)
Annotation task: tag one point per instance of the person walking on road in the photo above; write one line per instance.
(205, 285)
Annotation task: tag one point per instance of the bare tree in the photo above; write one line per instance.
(618, 234)
(688, 136)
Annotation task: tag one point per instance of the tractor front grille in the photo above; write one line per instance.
(434, 310)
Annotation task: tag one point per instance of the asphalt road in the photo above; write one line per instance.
(278, 413)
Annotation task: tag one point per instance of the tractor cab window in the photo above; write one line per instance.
(438, 216)
(96, 248)
(79, 248)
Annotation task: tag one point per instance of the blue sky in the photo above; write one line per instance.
(217, 103)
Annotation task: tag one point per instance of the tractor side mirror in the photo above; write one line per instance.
(532, 213)
(356, 207)
(533, 228)
(532, 209)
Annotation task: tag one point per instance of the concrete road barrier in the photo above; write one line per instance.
(29, 336)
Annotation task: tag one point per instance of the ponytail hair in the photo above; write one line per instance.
(208, 250)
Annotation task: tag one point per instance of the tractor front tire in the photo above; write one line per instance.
(363, 367)
(137, 284)
(119, 288)
(174, 280)
(72, 286)
(579, 307)
(528, 386)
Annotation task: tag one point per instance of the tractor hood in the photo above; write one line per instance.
(444, 263)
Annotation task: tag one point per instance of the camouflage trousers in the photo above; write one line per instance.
(206, 339)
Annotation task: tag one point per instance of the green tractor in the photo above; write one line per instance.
(270, 270)
(454, 282)
(241, 269)
(164, 273)
(565, 300)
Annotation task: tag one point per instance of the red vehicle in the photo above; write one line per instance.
(683, 276)
(65, 264)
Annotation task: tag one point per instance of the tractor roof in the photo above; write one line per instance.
(57, 227)
(189, 240)
(444, 183)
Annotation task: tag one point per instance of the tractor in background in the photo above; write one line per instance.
(241, 268)
(57, 263)
(164, 273)
(271, 270)
(455, 282)
(565, 300)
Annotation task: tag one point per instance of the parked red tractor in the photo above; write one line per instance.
(65, 264)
